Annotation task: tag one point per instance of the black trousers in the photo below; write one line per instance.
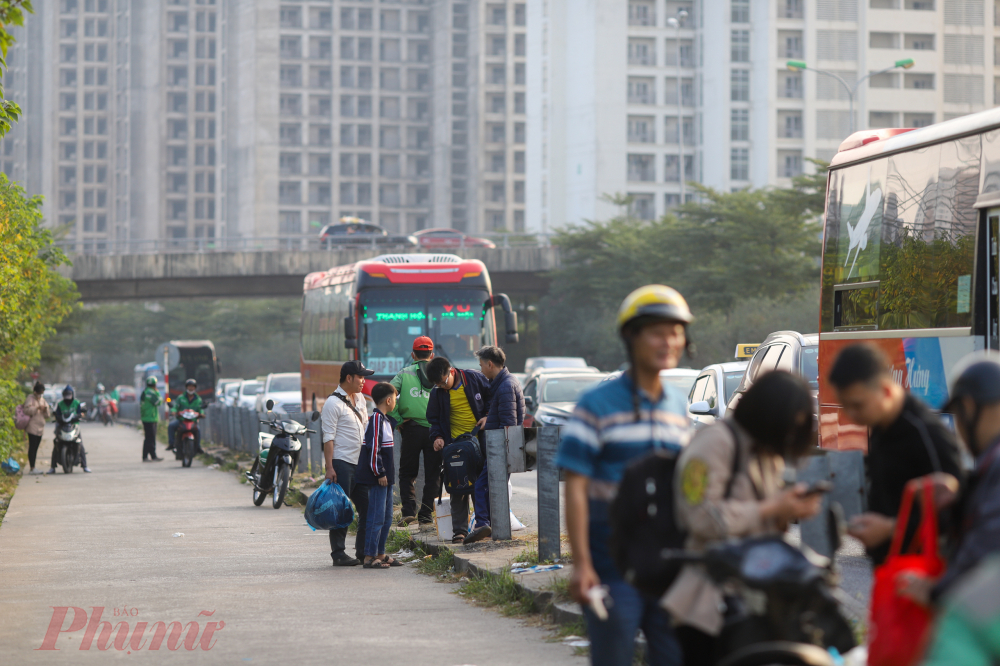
(358, 495)
(33, 442)
(416, 440)
(149, 442)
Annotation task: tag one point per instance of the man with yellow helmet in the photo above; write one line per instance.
(613, 424)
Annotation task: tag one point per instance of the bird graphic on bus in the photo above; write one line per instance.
(858, 235)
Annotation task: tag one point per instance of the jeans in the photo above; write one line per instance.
(416, 440)
(612, 642)
(378, 520)
(481, 498)
(358, 495)
(149, 440)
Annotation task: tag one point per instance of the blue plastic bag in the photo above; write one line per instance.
(329, 508)
(11, 466)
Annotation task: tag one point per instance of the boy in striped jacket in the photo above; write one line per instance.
(377, 470)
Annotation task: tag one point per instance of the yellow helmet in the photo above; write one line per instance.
(654, 300)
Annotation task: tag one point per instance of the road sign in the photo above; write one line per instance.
(172, 353)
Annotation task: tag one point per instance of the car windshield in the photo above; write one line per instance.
(453, 318)
(232, 389)
(732, 383)
(680, 382)
(567, 389)
(810, 366)
(250, 388)
(286, 384)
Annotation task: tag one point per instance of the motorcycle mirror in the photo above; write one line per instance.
(83, 405)
(269, 404)
(315, 416)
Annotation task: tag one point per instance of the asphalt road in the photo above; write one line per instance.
(106, 541)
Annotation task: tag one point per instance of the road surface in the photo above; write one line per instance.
(106, 541)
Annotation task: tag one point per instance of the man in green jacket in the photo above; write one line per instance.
(149, 414)
(187, 400)
(411, 413)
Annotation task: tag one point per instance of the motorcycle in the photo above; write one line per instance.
(277, 458)
(109, 407)
(68, 441)
(186, 429)
(781, 604)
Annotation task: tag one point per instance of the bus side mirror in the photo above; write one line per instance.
(510, 320)
(350, 333)
(269, 404)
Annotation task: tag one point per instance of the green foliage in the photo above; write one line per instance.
(33, 297)
(252, 337)
(499, 590)
(399, 539)
(724, 252)
(11, 13)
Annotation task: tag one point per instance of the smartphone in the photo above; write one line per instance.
(818, 487)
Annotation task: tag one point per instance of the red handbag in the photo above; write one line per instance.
(898, 627)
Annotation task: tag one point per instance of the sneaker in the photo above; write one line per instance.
(87, 470)
(155, 459)
(52, 471)
(407, 520)
(479, 534)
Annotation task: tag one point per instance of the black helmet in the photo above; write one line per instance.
(979, 380)
(68, 392)
(190, 382)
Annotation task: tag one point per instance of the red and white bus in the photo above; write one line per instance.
(372, 310)
(910, 258)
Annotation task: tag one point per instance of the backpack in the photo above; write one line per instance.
(643, 522)
(21, 419)
(463, 462)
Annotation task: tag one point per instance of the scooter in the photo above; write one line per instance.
(68, 441)
(186, 429)
(780, 603)
(109, 408)
(277, 458)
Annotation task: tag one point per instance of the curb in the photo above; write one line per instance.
(561, 613)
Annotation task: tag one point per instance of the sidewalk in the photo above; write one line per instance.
(106, 541)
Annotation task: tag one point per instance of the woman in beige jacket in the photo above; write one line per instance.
(772, 422)
(35, 407)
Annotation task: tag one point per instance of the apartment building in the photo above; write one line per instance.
(622, 96)
(181, 119)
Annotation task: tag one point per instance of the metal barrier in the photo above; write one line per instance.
(236, 428)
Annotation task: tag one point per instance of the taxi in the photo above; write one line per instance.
(715, 385)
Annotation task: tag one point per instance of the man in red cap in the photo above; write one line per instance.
(411, 413)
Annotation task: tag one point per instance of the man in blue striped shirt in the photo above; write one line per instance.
(614, 423)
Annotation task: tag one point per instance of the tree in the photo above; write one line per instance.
(11, 13)
(33, 296)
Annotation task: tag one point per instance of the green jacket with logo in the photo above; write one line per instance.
(148, 403)
(69, 408)
(182, 403)
(414, 393)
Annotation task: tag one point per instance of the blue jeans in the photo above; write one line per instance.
(612, 641)
(379, 519)
(481, 498)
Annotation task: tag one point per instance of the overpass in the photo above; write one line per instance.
(272, 273)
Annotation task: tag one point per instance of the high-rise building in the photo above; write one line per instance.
(211, 119)
(611, 82)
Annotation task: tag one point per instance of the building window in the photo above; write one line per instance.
(789, 163)
(642, 52)
(739, 125)
(290, 222)
(739, 85)
(790, 85)
(641, 91)
(739, 164)
(739, 43)
(642, 206)
(739, 11)
(290, 193)
(790, 124)
(918, 119)
(641, 129)
(641, 169)
(641, 12)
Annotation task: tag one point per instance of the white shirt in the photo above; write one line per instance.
(341, 426)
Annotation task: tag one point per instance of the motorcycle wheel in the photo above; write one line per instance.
(258, 496)
(280, 485)
(188, 452)
(778, 653)
(66, 460)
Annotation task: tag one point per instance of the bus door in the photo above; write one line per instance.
(993, 277)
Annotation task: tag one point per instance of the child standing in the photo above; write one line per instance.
(377, 470)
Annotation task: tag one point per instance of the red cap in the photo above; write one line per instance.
(423, 343)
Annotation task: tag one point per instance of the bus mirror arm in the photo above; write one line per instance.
(510, 317)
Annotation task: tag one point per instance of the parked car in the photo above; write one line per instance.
(521, 378)
(247, 394)
(220, 386)
(681, 379)
(549, 398)
(782, 350)
(126, 393)
(230, 393)
(536, 362)
(449, 238)
(354, 231)
(53, 394)
(712, 390)
(285, 389)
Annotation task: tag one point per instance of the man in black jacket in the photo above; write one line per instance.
(458, 402)
(906, 441)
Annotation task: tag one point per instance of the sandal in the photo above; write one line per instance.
(392, 562)
(375, 564)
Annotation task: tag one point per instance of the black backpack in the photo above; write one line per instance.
(463, 462)
(643, 523)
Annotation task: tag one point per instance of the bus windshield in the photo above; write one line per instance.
(453, 318)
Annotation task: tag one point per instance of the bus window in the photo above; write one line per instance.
(458, 324)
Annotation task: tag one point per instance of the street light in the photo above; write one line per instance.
(799, 66)
(675, 23)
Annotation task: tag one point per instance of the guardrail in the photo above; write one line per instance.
(237, 428)
(276, 243)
